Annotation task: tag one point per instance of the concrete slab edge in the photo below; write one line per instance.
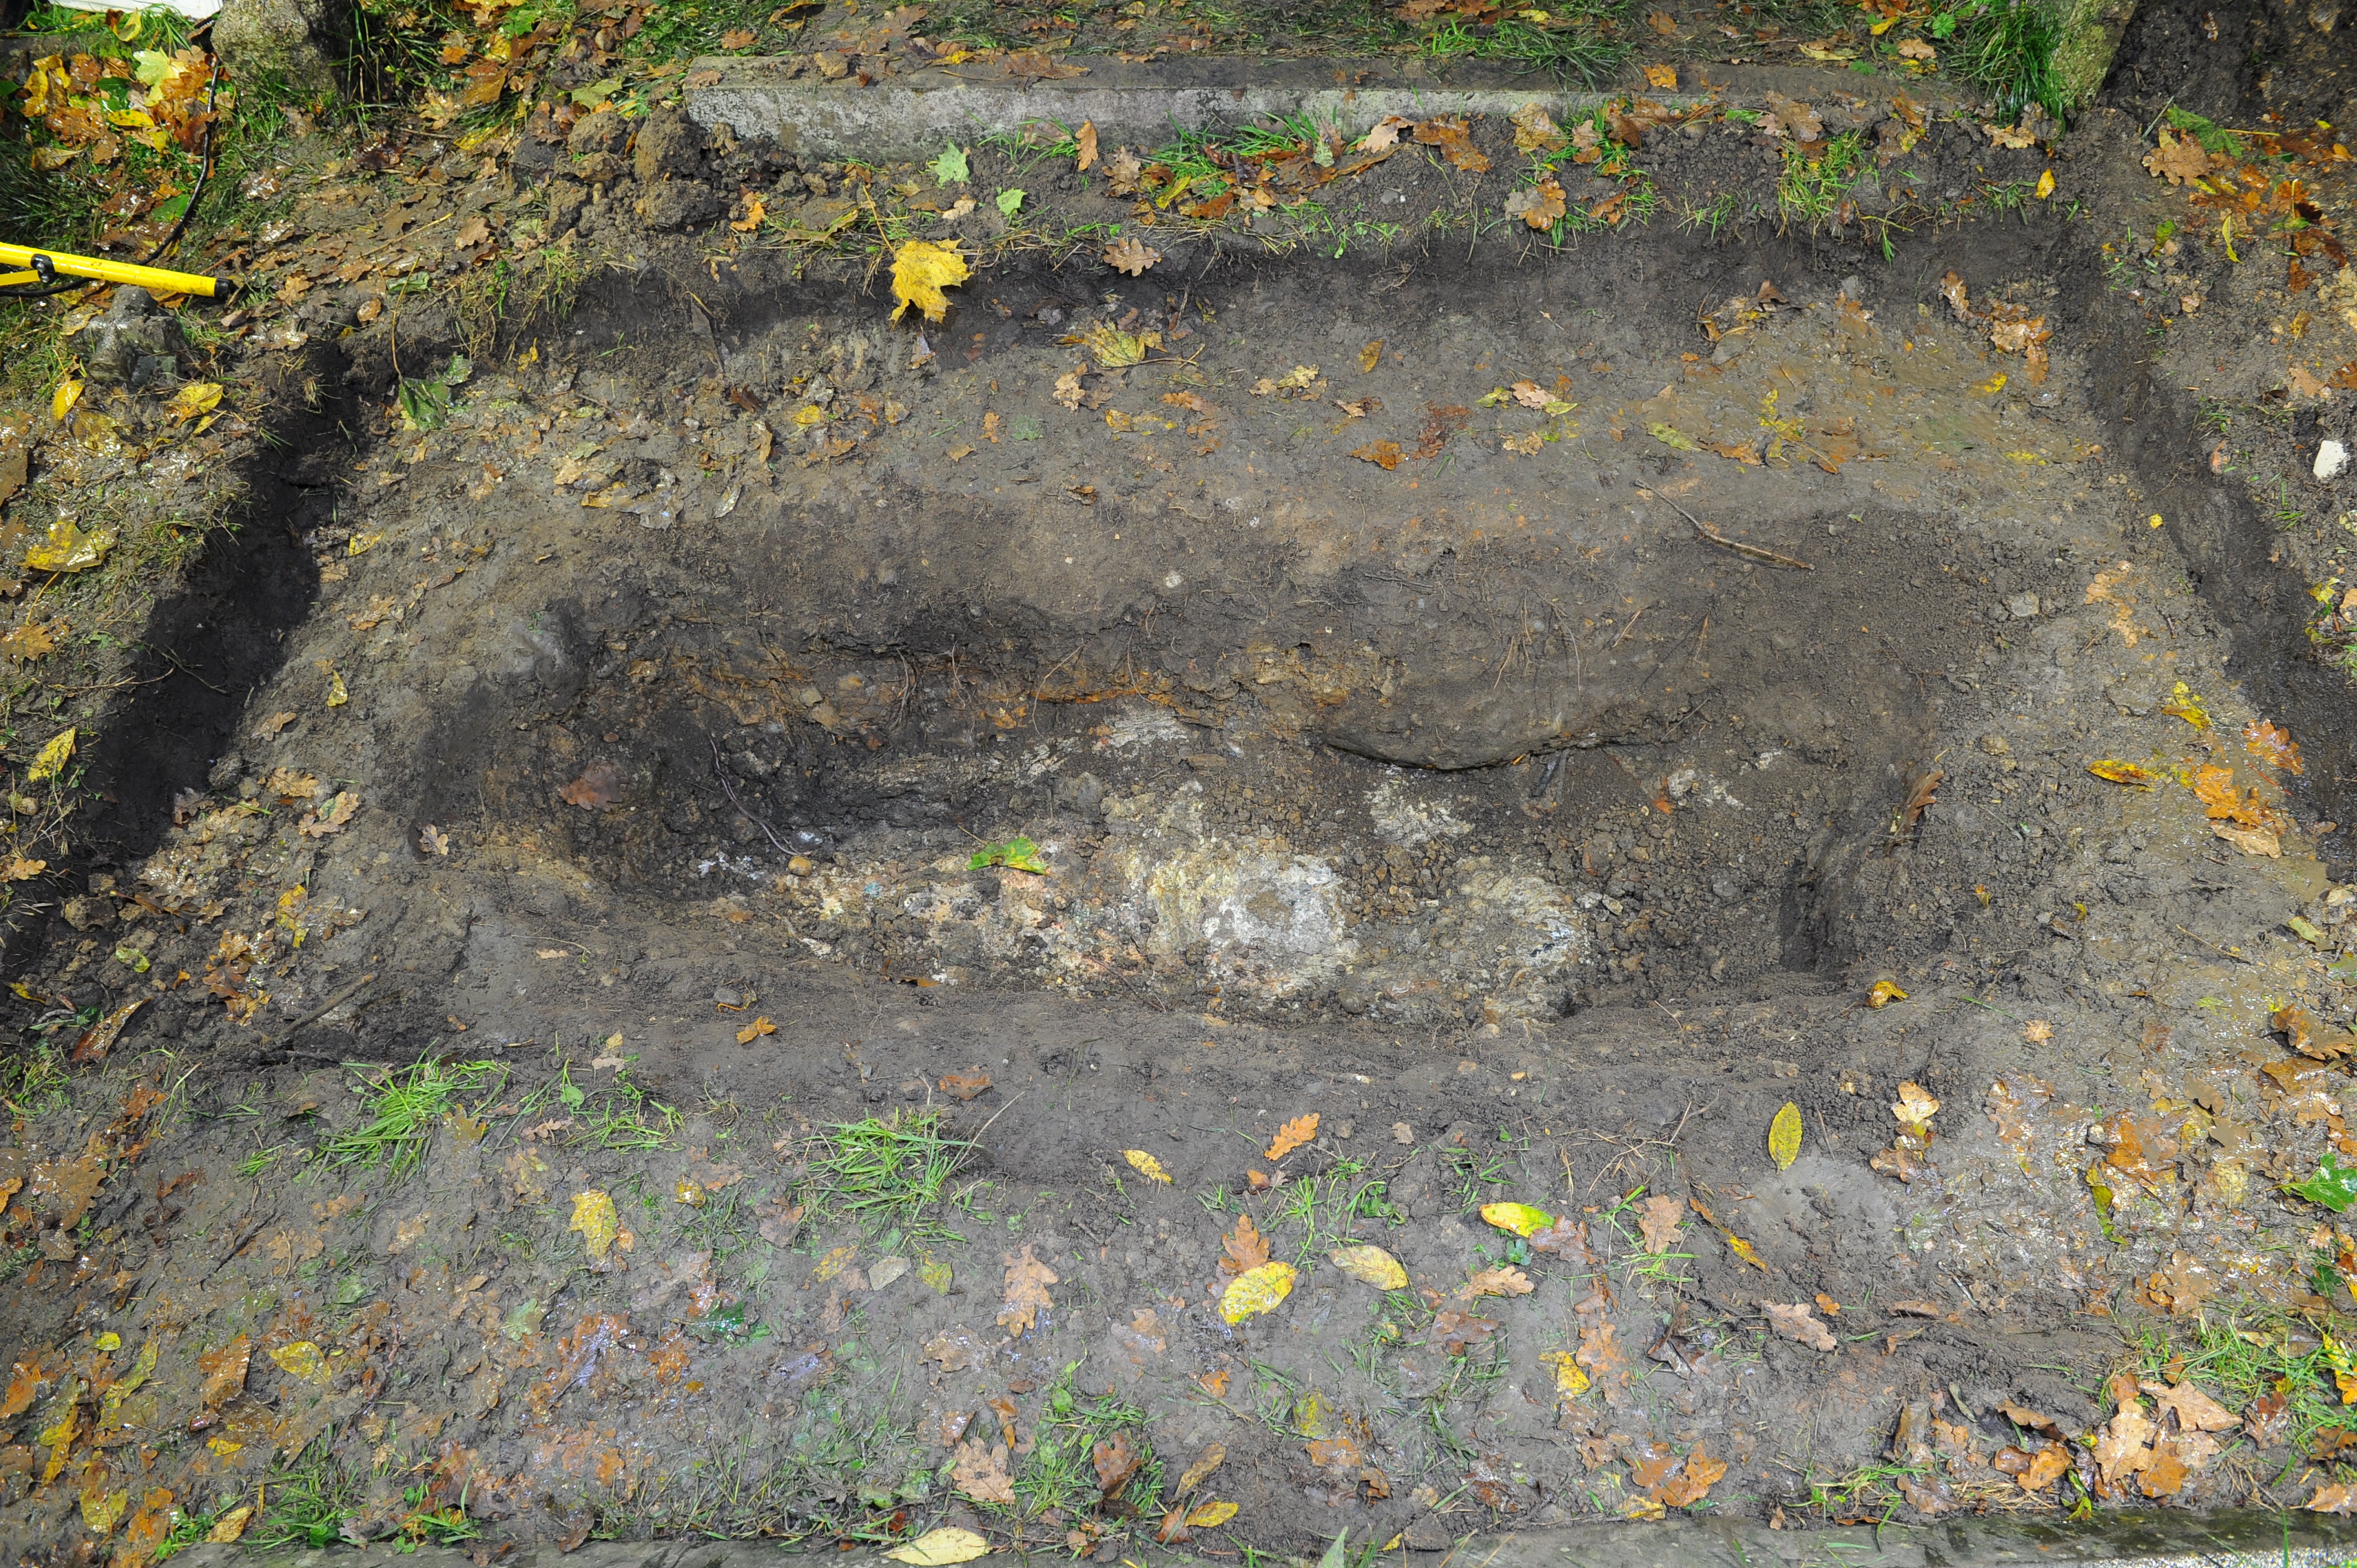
(915, 118)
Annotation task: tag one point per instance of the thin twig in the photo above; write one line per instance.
(1710, 535)
(755, 818)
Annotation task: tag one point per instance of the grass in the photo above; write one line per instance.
(403, 1108)
(2250, 1357)
(307, 1503)
(1809, 189)
(32, 1078)
(1061, 1474)
(1328, 1207)
(895, 1171)
(2006, 47)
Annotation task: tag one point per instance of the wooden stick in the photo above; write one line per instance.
(1710, 535)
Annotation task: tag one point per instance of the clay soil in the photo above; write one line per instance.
(844, 921)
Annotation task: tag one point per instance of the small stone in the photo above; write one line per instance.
(89, 914)
(2331, 456)
(1402, 1134)
(2021, 606)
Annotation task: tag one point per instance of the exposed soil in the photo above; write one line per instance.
(1539, 711)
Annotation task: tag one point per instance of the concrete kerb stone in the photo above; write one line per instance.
(2150, 1538)
(915, 117)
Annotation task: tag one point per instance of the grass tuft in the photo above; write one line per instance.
(404, 1108)
(893, 1171)
(2008, 51)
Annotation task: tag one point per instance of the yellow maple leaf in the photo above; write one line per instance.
(593, 1216)
(1147, 1165)
(921, 270)
(1292, 1135)
(67, 548)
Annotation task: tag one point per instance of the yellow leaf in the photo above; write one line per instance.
(100, 1510)
(231, 1525)
(2045, 185)
(754, 1030)
(937, 1548)
(53, 757)
(809, 413)
(1664, 77)
(1369, 357)
(67, 548)
(1885, 991)
(755, 211)
(1569, 1380)
(1742, 1249)
(61, 401)
(1292, 1135)
(1208, 1516)
(1147, 1165)
(302, 1359)
(593, 1216)
(127, 1384)
(195, 398)
(1519, 1217)
(2182, 703)
(921, 270)
(1370, 1265)
(338, 693)
(222, 1447)
(690, 1193)
(2119, 772)
(1256, 1291)
(1784, 1136)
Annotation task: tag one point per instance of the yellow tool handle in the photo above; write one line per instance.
(156, 279)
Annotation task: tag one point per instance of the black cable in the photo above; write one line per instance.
(46, 270)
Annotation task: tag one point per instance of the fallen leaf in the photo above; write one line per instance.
(1384, 135)
(1370, 1265)
(938, 1548)
(51, 759)
(1914, 1107)
(1028, 1279)
(1243, 1249)
(921, 269)
(1538, 206)
(332, 817)
(2120, 772)
(224, 1371)
(2259, 842)
(302, 1359)
(1664, 1219)
(955, 1348)
(757, 212)
(1292, 1135)
(193, 399)
(1663, 77)
(600, 785)
(1797, 1322)
(1504, 1282)
(2272, 744)
(1453, 1330)
(2196, 1411)
(1147, 1165)
(1116, 1461)
(1257, 1290)
(2178, 159)
(1383, 455)
(1454, 139)
(1692, 1480)
(1884, 993)
(1569, 1380)
(1519, 1219)
(66, 548)
(1132, 256)
(2044, 1466)
(1210, 1516)
(593, 1216)
(228, 1527)
(981, 1473)
(754, 1030)
(1784, 1136)
(1210, 1459)
(964, 1086)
